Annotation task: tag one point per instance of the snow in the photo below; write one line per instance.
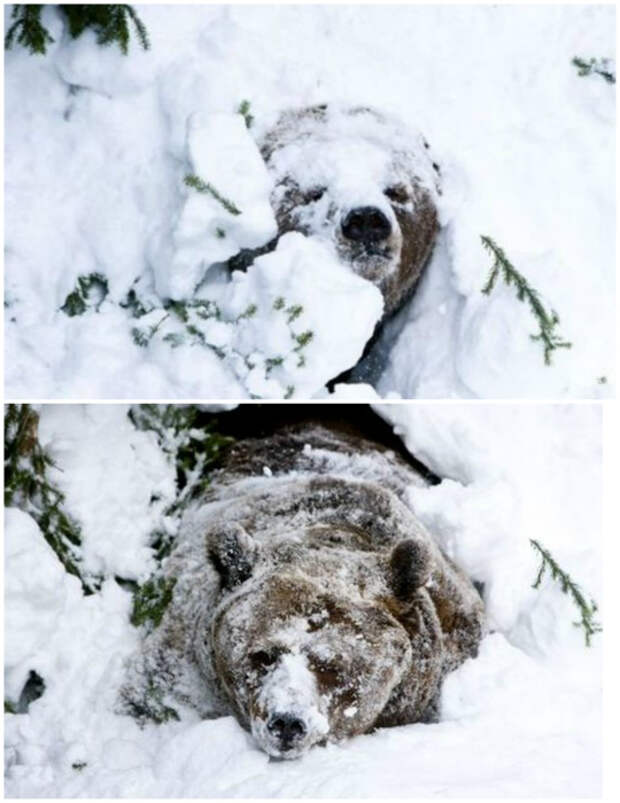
(110, 473)
(221, 148)
(522, 719)
(97, 146)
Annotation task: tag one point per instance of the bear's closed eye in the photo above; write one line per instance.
(262, 659)
(398, 194)
(313, 195)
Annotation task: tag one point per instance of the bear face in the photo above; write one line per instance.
(309, 601)
(301, 661)
(358, 180)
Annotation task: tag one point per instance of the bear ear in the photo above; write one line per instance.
(233, 554)
(409, 568)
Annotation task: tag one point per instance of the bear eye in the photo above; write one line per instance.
(313, 195)
(398, 194)
(262, 659)
(328, 673)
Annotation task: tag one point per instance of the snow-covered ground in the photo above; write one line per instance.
(522, 719)
(98, 144)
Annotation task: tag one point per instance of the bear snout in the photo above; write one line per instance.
(367, 225)
(287, 729)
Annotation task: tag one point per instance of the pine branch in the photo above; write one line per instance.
(78, 301)
(568, 586)
(602, 67)
(140, 27)
(547, 321)
(150, 601)
(244, 110)
(187, 435)
(204, 187)
(27, 486)
(32, 34)
(109, 22)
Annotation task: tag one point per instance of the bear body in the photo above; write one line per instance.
(359, 180)
(309, 600)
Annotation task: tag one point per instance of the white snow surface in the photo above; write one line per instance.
(263, 339)
(220, 147)
(522, 719)
(98, 144)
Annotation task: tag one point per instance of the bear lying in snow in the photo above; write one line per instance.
(309, 600)
(358, 179)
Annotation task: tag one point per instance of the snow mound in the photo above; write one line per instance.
(36, 590)
(277, 327)
(212, 228)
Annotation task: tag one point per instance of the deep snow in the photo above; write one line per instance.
(97, 146)
(523, 719)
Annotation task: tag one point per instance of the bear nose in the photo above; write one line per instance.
(287, 729)
(366, 224)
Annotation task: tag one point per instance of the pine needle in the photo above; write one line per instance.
(27, 486)
(568, 586)
(602, 67)
(109, 22)
(204, 187)
(547, 321)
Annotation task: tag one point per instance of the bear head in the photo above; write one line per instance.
(307, 641)
(360, 181)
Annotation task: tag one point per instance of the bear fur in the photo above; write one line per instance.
(309, 602)
(359, 180)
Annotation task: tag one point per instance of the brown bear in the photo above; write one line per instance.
(309, 600)
(361, 181)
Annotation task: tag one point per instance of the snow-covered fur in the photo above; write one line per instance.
(310, 602)
(359, 179)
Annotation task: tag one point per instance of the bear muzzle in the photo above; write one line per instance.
(287, 734)
(366, 225)
(287, 719)
(287, 730)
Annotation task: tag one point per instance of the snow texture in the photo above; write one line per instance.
(220, 147)
(98, 145)
(523, 719)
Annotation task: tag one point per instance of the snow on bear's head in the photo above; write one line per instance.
(360, 181)
(304, 646)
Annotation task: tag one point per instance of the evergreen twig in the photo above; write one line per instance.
(547, 321)
(109, 22)
(150, 601)
(568, 586)
(27, 486)
(602, 67)
(244, 111)
(204, 187)
(189, 437)
(28, 30)
(77, 302)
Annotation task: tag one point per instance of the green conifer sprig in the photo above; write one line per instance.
(189, 437)
(204, 187)
(27, 486)
(142, 337)
(27, 29)
(90, 291)
(547, 320)
(602, 67)
(150, 601)
(568, 586)
(110, 23)
(244, 111)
